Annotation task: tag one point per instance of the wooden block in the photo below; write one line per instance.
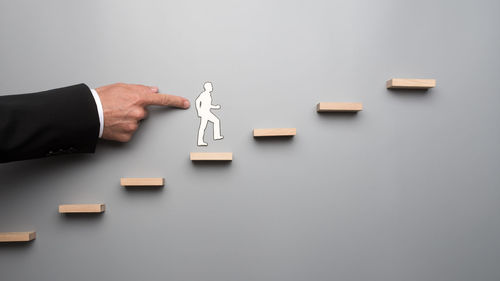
(81, 208)
(400, 83)
(211, 156)
(276, 132)
(17, 236)
(339, 106)
(142, 181)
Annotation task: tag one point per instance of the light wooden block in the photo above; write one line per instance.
(17, 236)
(401, 83)
(339, 106)
(276, 132)
(81, 208)
(142, 181)
(211, 156)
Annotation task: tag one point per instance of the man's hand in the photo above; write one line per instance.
(124, 105)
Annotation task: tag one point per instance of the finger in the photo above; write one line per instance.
(167, 100)
(123, 137)
(143, 89)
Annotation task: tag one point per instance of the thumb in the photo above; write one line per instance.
(167, 100)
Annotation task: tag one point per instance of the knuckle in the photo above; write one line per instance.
(138, 114)
(145, 88)
(125, 138)
(133, 127)
(137, 100)
(165, 99)
(129, 127)
(141, 88)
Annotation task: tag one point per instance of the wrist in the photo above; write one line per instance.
(100, 112)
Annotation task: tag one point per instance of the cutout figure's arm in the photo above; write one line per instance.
(198, 104)
(215, 106)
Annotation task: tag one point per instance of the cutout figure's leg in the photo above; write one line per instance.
(217, 135)
(201, 132)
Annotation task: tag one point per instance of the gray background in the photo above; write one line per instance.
(408, 189)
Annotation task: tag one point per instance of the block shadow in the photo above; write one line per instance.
(149, 189)
(206, 164)
(274, 140)
(82, 217)
(413, 92)
(14, 246)
(338, 115)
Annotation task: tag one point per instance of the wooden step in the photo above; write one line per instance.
(211, 156)
(142, 181)
(339, 107)
(275, 132)
(81, 208)
(17, 236)
(404, 83)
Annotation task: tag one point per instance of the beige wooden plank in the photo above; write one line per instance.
(142, 181)
(275, 132)
(81, 208)
(211, 156)
(404, 83)
(17, 236)
(339, 106)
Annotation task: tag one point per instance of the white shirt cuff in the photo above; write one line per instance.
(99, 111)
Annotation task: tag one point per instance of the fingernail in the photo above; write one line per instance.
(154, 89)
(186, 104)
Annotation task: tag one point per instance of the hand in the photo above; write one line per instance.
(216, 106)
(124, 105)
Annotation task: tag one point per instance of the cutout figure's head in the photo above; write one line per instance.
(208, 86)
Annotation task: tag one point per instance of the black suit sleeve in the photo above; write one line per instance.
(53, 122)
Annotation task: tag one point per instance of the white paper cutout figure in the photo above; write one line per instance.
(203, 107)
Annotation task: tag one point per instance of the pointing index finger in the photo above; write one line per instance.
(167, 100)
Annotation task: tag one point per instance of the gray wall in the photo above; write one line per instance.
(408, 189)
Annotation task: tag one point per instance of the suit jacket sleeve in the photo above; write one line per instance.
(53, 122)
